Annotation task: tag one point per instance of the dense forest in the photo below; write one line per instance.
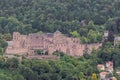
(66, 68)
(27, 16)
(84, 19)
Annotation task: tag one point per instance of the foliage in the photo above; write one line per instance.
(28, 16)
(51, 15)
(67, 68)
(94, 77)
(4, 77)
(39, 52)
(74, 34)
(12, 63)
(108, 52)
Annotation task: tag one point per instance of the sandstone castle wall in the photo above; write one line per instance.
(28, 44)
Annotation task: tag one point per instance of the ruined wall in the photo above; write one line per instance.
(19, 45)
(18, 51)
(47, 42)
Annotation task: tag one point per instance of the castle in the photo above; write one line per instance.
(50, 42)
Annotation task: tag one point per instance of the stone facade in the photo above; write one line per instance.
(28, 44)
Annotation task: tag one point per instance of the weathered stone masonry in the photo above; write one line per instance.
(28, 44)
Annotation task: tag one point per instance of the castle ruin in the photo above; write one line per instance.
(50, 42)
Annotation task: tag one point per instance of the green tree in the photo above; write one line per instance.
(92, 35)
(18, 77)
(12, 63)
(74, 34)
(94, 77)
(5, 77)
(7, 37)
(27, 73)
(39, 52)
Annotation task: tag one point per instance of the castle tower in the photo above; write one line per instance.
(16, 36)
(16, 39)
